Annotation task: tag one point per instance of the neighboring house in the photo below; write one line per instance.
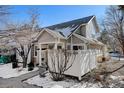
(12, 38)
(77, 34)
(5, 44)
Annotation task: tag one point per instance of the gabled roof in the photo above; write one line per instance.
(53, 33)
(69, 27)
(87, 40)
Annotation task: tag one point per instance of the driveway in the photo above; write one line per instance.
(17, 82)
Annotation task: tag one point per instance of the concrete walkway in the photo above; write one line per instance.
(17, 82)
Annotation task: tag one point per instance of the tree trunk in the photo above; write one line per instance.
(24, 62)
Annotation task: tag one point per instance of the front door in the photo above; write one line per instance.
(44, 53)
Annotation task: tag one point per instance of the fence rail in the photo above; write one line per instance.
(79, 61)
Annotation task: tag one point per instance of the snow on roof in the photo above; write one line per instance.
(67, 30)
(69, 27)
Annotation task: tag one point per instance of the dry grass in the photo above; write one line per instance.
(101, 58)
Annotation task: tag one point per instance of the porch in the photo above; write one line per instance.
(41, 51)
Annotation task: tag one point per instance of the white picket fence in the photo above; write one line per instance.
(81, 61)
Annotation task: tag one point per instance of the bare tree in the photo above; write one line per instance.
(60, 61)
(113, 24)
(23, 40)
(103, 37)
(24, 34)
(108, 40)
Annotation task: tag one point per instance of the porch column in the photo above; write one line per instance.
(63, 46)
(85, 46)
(55, 47)
(39, 45)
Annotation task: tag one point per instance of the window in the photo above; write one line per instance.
(81, 31)
(59, 47)
(80, 47)
(75, 47)
(44, 49)
(35, 51)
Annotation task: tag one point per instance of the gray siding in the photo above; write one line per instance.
(90, 30)
(81, 31)
(46, 37)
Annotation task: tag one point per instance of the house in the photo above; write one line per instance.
(79, 34)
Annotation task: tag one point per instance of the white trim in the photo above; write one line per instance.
(44, 29)
(80, 26)
(50, 32)
(39, 45)
(63, 46)
(97, 27)
(75, 44)
(49, 42)
(85, 39)
(78, 44)
(39, 34)
(55, 45)
(85, 46)
(91, 19)
(81, 44)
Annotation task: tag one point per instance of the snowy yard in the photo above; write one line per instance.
(115, 80)
(6, 71)
(47, 82)
(117, 58)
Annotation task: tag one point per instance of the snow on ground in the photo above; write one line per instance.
(118, 81)
(120, 78)
(47, 82)
(117, 58)
(6, 71)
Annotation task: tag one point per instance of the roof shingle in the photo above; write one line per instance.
(67, 28)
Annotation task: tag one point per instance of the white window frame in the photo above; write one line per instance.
(81, 44)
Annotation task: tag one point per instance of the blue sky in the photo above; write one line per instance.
(52, 14)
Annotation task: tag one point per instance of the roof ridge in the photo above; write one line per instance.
(68, 21)
(67, 28)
